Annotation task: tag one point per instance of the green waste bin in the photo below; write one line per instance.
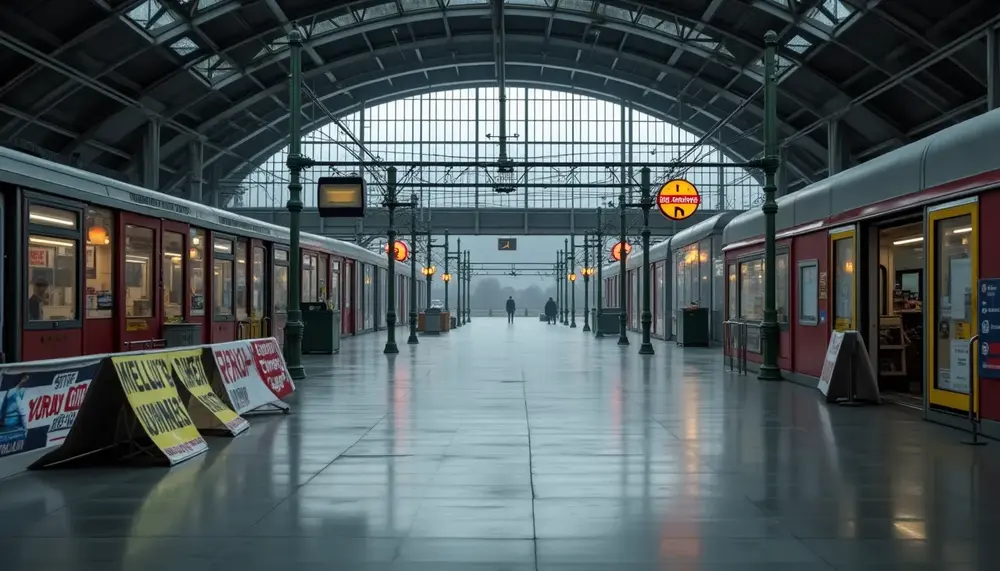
(322, 329)
(692, 327)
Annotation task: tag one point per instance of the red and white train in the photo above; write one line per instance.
(894, 249)
(93, 265)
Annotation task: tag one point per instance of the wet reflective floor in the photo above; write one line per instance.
(518, 447)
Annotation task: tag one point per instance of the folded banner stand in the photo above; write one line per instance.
(207, 410)
(252, 375)
(133, 409)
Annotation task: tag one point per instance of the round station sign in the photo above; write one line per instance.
(402, 251)
(616, 251)
(678, 199)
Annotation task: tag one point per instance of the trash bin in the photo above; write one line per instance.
(609, 321)
(432, 321)
(322, 329)
(692, 326)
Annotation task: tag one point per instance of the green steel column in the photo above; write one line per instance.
(447, 307)
(769, 328)
(412, 339)
(622, 274)
(294, 327)
(586, 282)
(572, 284)
(458, 284)
(559, 300)
(646, 348)
(468, 288)
(599, 257)
(430, 278)
(567, 255)
(390, 293)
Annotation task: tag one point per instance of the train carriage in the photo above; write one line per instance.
(93, 265)
(891, 249)
(685, 270)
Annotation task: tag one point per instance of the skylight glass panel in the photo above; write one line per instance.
(782, 3)
(648, 21)
(206, 4)
(322, 27)
(536, 3)
(184, 47)
(144, 13)
(799, 45)
(576, 5)
(616, 13)
(376, 12)
(274, 47)
(213, 68)
(466, 2)
(418, 5)
(838, 10)
(817, 14)
(344, 21)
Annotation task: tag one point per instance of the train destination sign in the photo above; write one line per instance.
(341, 197)
(678, 199)
(616, 251)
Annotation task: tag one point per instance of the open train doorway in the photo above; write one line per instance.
(895, 309)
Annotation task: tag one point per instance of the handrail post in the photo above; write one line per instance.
(974, 419)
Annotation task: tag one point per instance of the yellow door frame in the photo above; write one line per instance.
(942, 397)
(835, 236)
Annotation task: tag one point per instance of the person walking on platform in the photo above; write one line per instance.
(550, 311)
(510, 309)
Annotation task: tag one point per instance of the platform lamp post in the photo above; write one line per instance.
(587, 271)
(446, 277)
(294, 328)
(565, 282)
(622, 273)
(559, 273)
(392, 204)
(412, 339)
(646, 317)
(571, 276)
(457, 256)
(599, 286)
(429, 270)
(468, 287)
(769, 370)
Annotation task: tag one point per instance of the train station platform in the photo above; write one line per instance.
(523, 447)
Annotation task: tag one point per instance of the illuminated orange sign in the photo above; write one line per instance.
(616, 251)
(678, 199)
(402, 251)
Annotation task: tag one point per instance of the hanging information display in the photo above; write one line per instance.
(341, 196)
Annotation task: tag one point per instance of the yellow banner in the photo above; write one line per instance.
(189, 369)
(149, 388)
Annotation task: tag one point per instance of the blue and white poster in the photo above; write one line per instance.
(989, 328)
(38, 406)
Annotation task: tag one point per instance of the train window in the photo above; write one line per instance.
(139, 286)
(323, 276)
(781, 287)
(752, 290)
(258, 280)
(222, 246)
(335, 285)
(241, 280)
(732, 292)
(222, 287)
(280, 288)
(196, 272)
(100, 263)
(53, 217)
(280, 255)
(52, 274)
(309, 264)
(173, 277)
(843, 284)
(809, 293)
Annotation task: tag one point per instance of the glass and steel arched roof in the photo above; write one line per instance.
(461, 126)
(82, 79)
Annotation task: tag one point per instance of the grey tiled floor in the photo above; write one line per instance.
(526, 447)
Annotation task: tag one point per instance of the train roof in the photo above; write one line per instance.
(711, 226)
(31, 172)
(953, 154)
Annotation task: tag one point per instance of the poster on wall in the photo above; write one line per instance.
(959, 369)
(961, 288)
(38, 407)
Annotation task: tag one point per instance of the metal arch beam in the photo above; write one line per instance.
(178, 143)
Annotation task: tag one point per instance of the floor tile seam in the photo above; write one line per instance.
(531, 471)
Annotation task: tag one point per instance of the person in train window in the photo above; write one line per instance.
(37, 300)
(510, 309)
(550, 311)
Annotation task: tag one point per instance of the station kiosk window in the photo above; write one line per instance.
(901, 255)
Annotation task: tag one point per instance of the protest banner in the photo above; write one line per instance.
(206, 409)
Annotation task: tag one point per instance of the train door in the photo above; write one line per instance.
(139, 308)
(259, 311)
(279, 293)
(347, 298)
(844, 299)
(100, 235)
(952, 233)
(222, 288)
(175, 271)
(197, 285)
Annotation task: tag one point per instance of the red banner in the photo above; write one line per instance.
(271, 367)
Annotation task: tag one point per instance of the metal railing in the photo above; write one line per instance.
(734, 336)
(975, 419)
